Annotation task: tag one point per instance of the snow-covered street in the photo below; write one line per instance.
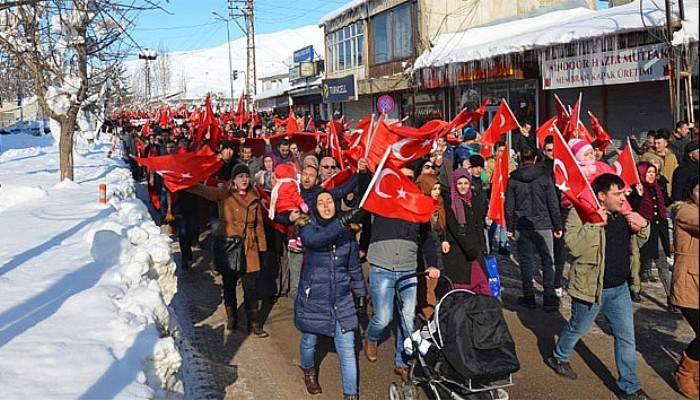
(84, 287)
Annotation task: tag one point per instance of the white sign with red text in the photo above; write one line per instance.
(637, 64)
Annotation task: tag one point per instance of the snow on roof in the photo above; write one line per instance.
(351, 5)
(274, 92)
(558, 27)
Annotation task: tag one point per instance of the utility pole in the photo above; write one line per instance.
(245, 9)
(228, 37)
(148, 55)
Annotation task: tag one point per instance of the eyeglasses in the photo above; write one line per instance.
(428, 166)
(328, 166)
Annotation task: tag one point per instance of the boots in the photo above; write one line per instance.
(311, 381)
(231, 318)
(254, 326)
(370, 349)
(686, 377)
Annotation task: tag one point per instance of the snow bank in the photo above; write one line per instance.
(23, 143)
(86, 288)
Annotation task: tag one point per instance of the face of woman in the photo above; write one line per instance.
(325, 206)
(435, 191)
(650, 176)
(268, 164)
(463, 185)
(241, 181)
(428, 168)
(293, 148)
(589, 155)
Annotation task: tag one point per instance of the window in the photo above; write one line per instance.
(393, 34)
(345, 46)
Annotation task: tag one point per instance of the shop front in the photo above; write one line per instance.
(522, 97)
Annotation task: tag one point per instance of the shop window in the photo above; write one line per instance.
(344, 47)
(392, 35)
(522, 100)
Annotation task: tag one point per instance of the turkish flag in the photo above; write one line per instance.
(562, 114)
(466, 117)
(394, 196)
(208, 124)
(601, 135)
(337, 179)
(573, 184)
(626, 168)
(311, 125)
(240, 117)
(180, 171)
(546, 129)
(334, 148)
(499, 184)
(503, 121)
(407, 144)
(573, 125)
(146, 129)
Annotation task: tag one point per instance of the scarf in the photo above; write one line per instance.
(425, 183)
(460, 200)
(651, 190)
(322, 221)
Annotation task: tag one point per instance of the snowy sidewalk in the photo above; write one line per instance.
(83, 287)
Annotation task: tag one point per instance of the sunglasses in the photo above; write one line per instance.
(328, 166)
(428, 166)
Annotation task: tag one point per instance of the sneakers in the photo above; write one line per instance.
(562, 368)
(527, 302)
(638, 395)
(550, 303)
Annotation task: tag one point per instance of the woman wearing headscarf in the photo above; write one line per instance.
(464, 232)
(240, 213)
(648, 201)
(264, 176)
(330, 276)
(430, 186)
(685, 292)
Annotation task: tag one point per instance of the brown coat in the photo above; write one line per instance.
(232, 213)
(684, 292)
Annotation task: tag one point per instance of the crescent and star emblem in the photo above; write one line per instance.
(398, 146)
(377, 187)
(176, 175)
(562, 168)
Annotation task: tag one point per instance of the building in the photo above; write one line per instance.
(619, 60)
(273, 95)
(371, 47)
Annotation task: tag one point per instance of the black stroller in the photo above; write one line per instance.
(464, 352)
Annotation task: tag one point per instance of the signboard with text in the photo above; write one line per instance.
(338, 90)
(307, 69)
(304, 54)
(637, 64)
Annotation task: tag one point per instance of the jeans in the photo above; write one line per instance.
(616, 305)
(559, 261)
(382, 283)
(295, 261)
(344, 346)
(499, 236)
(530, 245)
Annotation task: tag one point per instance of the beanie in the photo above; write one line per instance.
(579, 147)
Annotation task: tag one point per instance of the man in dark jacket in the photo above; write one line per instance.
(524, 138)
(679, 139)
(393, 253)
(686, 171)
(532, 211)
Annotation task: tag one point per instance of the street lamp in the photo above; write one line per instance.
(228, 36)
(148, 55)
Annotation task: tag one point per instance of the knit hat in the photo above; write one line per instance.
(468, 133)
(239, 169)
(476, 161)
(579, 147)
(691, 147)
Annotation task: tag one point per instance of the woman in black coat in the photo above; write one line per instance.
(330, 275)
(464, 231)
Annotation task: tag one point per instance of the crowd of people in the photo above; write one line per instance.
(314, 252)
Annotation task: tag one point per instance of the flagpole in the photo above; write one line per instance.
(370, 136)
(376, 175)
(636, 172)
(568, 149)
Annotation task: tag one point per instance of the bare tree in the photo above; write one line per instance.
(70, 48)
(163, 70)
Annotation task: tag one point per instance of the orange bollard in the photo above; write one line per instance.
(103, 193)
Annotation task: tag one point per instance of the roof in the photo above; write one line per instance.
(550, 29)
(274, 92)
(349, 6)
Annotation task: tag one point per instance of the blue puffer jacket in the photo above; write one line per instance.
(330, 275)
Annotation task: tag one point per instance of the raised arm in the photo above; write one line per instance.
(209, 193)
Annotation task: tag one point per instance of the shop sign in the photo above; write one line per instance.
(304, 54)
(338, 90)
(294, 73)
(638, 64)
(385, 104)
(307, 69)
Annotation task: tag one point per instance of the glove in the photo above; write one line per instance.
(353, 216)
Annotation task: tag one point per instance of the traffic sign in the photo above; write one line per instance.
(385, 104)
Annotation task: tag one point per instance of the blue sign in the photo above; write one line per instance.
(385, 104)
(338, 90)
(305, 54)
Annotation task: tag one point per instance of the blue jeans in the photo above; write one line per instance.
(616, 305)
(344, 346)
(382, 283)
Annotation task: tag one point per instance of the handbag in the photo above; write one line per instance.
(229, 252)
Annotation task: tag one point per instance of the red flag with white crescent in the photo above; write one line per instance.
(601, 135)
(548, 128)
(393, 195)
(503, 122)
(499, 184)
(626, 168)
(180, 171)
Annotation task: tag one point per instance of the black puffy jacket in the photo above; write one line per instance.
(531, 200)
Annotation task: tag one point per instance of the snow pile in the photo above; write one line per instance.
(348, 7)
(550, 29)
(86, 288)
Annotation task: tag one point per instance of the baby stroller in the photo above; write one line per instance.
(464, 352)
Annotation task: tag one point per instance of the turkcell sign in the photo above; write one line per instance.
(338, 90)
(304, 54)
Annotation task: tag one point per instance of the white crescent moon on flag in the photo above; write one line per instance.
(398, 146)
(502, 121)
(618, 167)
(558, 163)
(377, 186)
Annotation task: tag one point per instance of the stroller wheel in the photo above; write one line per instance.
(394, 392)
(410, 391)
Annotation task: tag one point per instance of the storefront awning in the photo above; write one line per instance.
(552, 29)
